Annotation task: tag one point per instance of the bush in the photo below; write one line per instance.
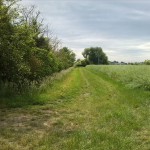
(82, 63)
(147, 62)
(26, 55)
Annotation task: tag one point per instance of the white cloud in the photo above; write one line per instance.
(145, 46)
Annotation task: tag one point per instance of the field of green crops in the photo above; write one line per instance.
(130, 75)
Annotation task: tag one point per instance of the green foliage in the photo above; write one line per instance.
(82, 63)
(95, 55)
(26, 54)
(147, 62)
(66, 58)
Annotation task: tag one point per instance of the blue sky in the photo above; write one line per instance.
(120, 27)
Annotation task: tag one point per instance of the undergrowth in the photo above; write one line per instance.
(11, 96)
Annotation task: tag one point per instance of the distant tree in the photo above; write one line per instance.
(147, 62)
(95, 55)
(81, 63)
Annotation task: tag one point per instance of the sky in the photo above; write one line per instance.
(120, 27)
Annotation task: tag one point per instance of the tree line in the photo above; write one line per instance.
(27, 52)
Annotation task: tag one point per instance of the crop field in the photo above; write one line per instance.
(88, 108)
(134, 76)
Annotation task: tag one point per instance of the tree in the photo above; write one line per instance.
(26, 54)
(147, 62)
(81, 63)
(11, 64)
(66, 58)
(95, 55)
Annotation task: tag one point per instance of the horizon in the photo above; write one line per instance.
(121, 28)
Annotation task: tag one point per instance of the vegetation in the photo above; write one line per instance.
(83, 110)
(46, 104)
(26, 54)
(31, 95)
(147, 62)
(95, 55)
(134, 76)
(66, 58)
(81, 63)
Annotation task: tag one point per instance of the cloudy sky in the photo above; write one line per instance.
(120, 27)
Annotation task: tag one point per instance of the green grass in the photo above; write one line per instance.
(33, 95)
(85, 110)
(134, 76)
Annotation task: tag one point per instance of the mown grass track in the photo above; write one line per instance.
(84, 111)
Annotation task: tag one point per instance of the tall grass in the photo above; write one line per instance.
(11, 96)
(133, 76)
(47, 82)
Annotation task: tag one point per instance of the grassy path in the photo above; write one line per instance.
(84, 111)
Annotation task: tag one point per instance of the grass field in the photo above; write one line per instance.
(133, 76)
(85, 110)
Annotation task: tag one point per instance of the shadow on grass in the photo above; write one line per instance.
(30, 96)
(22, 100)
